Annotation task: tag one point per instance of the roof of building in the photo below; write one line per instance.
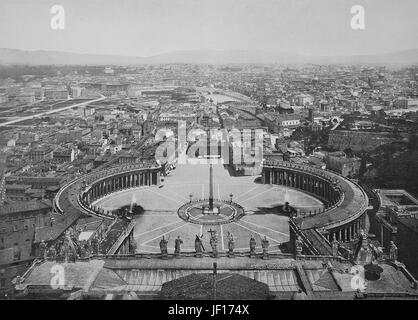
(59, 225)
(79, 274)
(411, 222)
(17, 187)
(7, 256)
(178, 277)
(201, 286)
(396, 197)
(26, 206)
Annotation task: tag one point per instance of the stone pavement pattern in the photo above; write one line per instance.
(261, 203)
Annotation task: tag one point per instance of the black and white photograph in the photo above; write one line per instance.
(206, 154)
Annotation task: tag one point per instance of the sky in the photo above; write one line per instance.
(150, 27)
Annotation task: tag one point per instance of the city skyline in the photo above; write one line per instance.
(208, 150)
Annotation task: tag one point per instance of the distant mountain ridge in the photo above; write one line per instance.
(42, 57)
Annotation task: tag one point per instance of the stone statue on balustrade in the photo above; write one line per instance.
(265, 246)
(286, 207)
(64, 252)
(72, 256)
(198, 246)
(177, 246)
(253, 245)
(298, 246)
(214, 242)
(393, 251)
(95, 246)
(163, 247)
(42, 250)
(52, 252)
(132, 247)
(334, 246)
(365, 253)
(87, 247)
(60, 257)
(231, 245)
(70, 251)
(82, 250)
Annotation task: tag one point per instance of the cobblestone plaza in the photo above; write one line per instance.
(261, 203)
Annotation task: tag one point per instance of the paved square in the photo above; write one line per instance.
(160, 217)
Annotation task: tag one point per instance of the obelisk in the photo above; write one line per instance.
(210, 188)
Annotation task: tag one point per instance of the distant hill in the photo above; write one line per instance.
(400, 57)
(41, 57)
(226, 57)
